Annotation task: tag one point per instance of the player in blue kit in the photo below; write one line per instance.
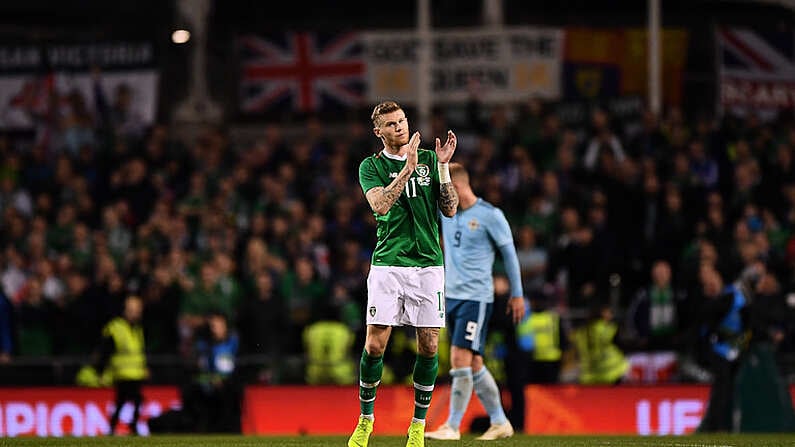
(471, 238)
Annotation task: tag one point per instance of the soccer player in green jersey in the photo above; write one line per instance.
(406, 187)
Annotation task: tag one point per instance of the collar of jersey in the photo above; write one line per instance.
(393, 156)
(477, 202)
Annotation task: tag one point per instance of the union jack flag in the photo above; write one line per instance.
(748, 52)
(303, 71)
(34, 94)
(757, 68)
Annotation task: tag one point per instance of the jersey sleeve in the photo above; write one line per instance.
(499, 230)
(368, 177)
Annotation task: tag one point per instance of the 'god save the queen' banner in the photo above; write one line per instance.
(505, 65)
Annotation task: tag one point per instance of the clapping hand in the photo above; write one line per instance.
(445, 153)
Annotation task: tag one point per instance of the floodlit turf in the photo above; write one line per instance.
(387, 441)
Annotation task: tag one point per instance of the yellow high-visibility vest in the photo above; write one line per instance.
(545, 326)
(128, 361)
(600, 359)
(327, 345)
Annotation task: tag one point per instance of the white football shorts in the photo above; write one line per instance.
(405, 296)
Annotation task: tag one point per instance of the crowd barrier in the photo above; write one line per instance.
(288, 410)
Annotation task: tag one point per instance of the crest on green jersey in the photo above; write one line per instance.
(372, 311)
(423, 170)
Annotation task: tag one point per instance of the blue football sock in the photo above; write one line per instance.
(489, 394)
(460, 393)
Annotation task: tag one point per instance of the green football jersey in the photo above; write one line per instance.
(408, 235)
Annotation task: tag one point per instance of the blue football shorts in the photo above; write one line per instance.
(467, 323)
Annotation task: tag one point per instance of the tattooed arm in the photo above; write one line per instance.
(381, 198)
(448, 199)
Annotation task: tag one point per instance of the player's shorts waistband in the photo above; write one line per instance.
(406, 269)
(476, 300)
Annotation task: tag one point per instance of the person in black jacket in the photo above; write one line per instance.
(741, 330)
(724, 331)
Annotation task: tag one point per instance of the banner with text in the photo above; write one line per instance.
(36, 77)
(756, 69)
(72, 411)
(509, 65)
(331, 410)
(549, 410)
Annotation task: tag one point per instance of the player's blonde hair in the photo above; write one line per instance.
(459, 172)
(382, 109)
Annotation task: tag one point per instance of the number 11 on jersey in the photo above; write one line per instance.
(412, 190)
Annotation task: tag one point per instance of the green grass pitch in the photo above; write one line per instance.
(742, 440)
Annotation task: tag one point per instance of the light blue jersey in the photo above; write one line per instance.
(471, 239)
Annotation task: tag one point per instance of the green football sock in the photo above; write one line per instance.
(425, 369)
(370, 369)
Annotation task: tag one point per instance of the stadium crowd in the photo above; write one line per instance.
(277, 235)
